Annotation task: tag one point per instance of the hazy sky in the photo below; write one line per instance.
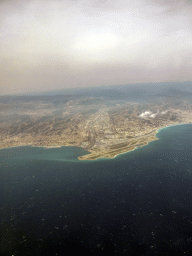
(54, 44)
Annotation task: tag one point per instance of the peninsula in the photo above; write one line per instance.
(105, 128)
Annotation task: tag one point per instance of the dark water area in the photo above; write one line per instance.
(139, 203)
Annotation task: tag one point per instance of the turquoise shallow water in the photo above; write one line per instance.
(42, 153)
(139, 203)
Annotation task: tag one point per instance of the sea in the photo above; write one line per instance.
(138, 203)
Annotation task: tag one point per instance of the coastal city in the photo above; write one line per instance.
(103, 127)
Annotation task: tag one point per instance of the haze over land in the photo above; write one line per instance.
(46, 45)
(96, 79)
(104, 72)
(105, 122)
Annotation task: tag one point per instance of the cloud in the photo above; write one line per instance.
(175, 6)
(164, 112)
(153, 115)
(148, 114)
(49, 44)
(145, 114)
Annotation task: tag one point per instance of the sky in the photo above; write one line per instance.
(59, 44)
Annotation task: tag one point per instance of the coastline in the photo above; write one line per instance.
(104, 157)
(112, 157)
(34, 146)
(156, 138)
(172, 125)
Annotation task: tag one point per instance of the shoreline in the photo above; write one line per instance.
(156, 132)
(171, 126)
(34, 146)
(104, 158)
(108, 158)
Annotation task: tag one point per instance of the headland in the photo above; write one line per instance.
(103, 128)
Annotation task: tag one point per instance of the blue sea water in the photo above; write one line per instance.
(139, 203)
